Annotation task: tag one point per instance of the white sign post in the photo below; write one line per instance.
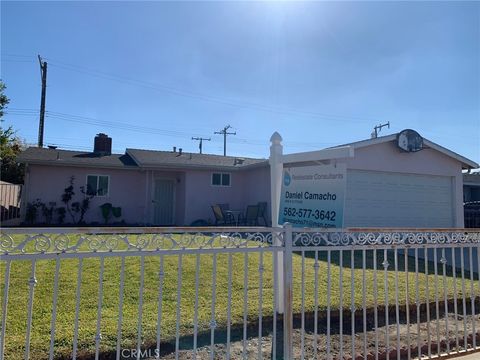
(277, 161)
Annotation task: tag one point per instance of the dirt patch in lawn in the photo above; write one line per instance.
(411, 339)
(437, 334)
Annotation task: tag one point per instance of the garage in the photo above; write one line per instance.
(400, 180)
(389, 199)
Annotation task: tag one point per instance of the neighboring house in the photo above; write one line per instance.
(471, 199)
(471, 187)
(10, 195)
(386, 186)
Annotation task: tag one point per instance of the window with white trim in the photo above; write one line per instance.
(98, 185)
(220, 179)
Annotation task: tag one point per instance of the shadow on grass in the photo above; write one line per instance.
(369, 260)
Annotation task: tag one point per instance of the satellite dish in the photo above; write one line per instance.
(409, 140)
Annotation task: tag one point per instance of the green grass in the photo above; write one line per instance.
(18, 296)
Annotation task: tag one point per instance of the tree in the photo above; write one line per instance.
(3, 98)
(10, 146)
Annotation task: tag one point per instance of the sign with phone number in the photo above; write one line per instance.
(313, 196)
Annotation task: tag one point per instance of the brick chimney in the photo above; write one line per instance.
(102, 144)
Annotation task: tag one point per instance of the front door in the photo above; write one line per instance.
(163, 202)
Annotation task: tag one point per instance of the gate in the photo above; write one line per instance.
(131, 293)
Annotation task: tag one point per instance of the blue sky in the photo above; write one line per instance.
(154, 74)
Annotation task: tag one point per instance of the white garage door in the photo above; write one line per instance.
(380, 199)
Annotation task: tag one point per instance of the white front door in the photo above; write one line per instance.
(163, 202)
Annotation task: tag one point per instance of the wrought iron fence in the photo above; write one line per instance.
(238, 293)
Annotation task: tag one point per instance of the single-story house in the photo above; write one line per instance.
(150, 187)
(471, 199)
(471, 187)
(398, 180)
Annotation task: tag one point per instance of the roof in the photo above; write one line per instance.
(136, 158)
(170, 159)
(466, 163)
(35, 155)
(472, 179)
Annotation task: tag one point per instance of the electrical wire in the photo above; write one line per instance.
(198, 96)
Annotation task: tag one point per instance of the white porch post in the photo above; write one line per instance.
(276, 170)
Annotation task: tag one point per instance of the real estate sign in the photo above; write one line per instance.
(313, 196)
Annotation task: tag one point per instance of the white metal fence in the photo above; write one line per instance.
(213, 293)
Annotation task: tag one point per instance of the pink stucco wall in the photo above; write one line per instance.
(133, 191)
(247, 187)
(200, 194)
(257, 187)
(127, 189)
(387, 157)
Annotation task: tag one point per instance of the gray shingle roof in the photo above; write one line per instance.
(36, 155)
(152, 159)
(134, 158)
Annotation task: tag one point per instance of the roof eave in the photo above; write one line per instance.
(466, 163)
(147, 166)
(69, 164)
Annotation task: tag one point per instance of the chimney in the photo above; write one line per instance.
(174, 149)
(179, 151)
(102, 144)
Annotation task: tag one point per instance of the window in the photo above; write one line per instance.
(219, 179)
(98, 185)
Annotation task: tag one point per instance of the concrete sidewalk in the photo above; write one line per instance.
(471, 356)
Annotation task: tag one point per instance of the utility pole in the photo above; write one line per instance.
(201, 142)
(43, 71)
(224, 132)
(378, 128)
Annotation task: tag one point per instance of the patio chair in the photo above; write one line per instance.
(222, 218)
(262, 211)
(251, 216)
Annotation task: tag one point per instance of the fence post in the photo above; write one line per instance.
(288, 295)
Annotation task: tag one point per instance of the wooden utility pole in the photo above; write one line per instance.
(201, 142)
(224, 132)
(43, 71)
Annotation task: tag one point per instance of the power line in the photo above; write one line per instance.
(198, 96)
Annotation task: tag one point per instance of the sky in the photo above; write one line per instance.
(153, 75)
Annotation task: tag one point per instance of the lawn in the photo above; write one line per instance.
(18, 296)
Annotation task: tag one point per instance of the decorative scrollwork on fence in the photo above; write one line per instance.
(347, 238)
(71, 242)
(109, 242)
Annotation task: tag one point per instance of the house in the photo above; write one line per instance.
(10, 195)
(150, 187)
(471, 199)
(398, 180)
(471, 187)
